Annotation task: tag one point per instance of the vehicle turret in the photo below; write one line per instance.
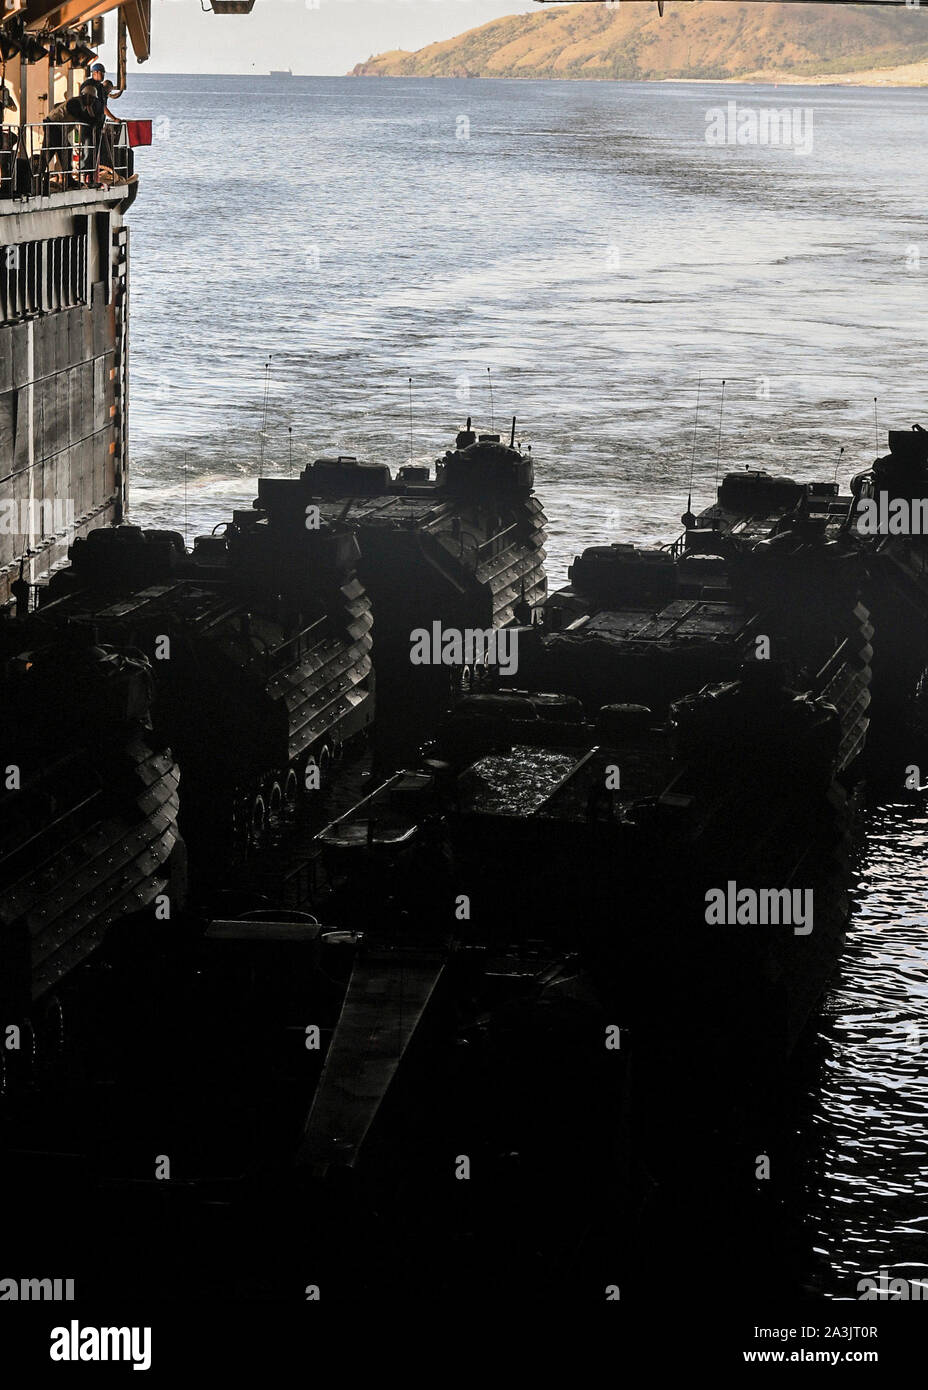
(482, 464)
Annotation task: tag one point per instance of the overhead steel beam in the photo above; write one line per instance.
(138, 22)
(43, 14)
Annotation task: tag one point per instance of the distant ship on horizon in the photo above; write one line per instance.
(284, 72)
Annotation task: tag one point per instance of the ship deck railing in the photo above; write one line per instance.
(279, 658)
(26, 159)
(489, 549)
(469, 551)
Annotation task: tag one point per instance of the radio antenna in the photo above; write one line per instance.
(267, 382)
(876, 423)
(718, 453)
(185, 497)
(689, 491)
(410, 418)
(490, 384)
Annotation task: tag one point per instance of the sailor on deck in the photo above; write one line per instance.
(77, 112)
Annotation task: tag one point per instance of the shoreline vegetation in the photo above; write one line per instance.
(704, 42)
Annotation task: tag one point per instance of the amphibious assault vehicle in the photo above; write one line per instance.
(259, 640)
(88, 817)
(464, 548)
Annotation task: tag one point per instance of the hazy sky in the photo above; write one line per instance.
(310, 36)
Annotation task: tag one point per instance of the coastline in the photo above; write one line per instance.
(912, 75)
(908, 75)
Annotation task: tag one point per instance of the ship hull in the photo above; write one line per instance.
(64, 319)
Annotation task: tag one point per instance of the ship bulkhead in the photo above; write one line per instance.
(63, 375)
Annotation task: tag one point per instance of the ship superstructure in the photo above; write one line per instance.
(64, 297)
(64, 286)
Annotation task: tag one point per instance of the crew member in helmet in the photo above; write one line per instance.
(103, 89)
(97, 90)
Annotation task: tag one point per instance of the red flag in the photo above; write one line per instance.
(139, 132)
